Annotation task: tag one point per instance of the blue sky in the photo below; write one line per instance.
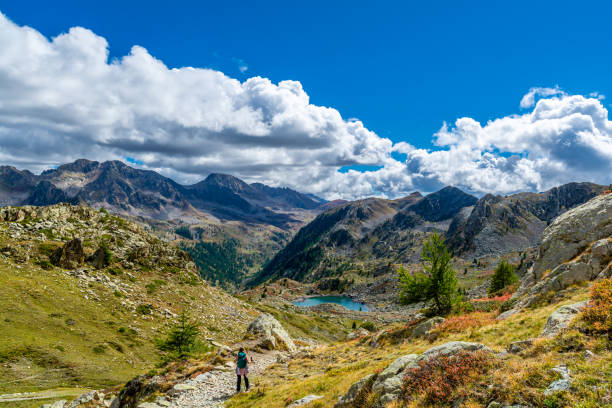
(401, 68)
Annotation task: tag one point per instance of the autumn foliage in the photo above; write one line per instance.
(500, 298)
(439, 380)
(598, 315)
(461, 323)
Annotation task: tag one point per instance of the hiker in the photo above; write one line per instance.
(242, 368)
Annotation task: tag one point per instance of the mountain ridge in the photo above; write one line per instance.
(131, 191)
(367, 236)
(500, 224)
(362, 229)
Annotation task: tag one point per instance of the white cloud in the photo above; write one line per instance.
(62, 99)
(567, 138)
(529, 98)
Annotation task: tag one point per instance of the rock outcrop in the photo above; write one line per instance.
(388, 384)
(100, 258)
(423, 329)
(135, 391)
(576, 247)
(70, 256)
(356, 390)
(572, 233)
(271, 333)
(561, 319)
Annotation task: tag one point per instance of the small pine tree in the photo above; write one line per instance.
(504, 276)
(181, 339)
(438, 282)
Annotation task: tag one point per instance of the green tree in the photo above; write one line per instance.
(504, 276)
(181, 339)
(436, 284)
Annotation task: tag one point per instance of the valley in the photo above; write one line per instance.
(89, 289)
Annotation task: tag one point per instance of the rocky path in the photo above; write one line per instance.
(212, 389)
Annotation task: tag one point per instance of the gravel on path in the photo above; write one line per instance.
(212, 389)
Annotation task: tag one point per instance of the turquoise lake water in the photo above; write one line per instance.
(340, 300)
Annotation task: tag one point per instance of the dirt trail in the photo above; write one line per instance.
(212, 389)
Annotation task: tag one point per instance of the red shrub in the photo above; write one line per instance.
(460, 323)
(598, 315)
(439, 378)
(500, 298)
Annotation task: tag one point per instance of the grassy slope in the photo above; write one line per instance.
(332, 369)
(57, 330)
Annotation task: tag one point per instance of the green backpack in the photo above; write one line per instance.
(242, 360)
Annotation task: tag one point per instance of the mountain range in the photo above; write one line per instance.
(367, 236)
(364, 236)
(130, 191)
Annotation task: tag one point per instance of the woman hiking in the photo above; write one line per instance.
(242, 368)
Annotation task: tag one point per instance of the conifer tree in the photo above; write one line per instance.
(436, 284)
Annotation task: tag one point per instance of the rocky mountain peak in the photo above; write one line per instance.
(500, 224)
(443, 204)
(78, 166)
(227, 181)
(12, 178)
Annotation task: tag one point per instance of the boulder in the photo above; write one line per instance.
(82, 399)
(388, 384)
(272, 333)
(422, 329)
(136, 390)
(99, 259)
(348, 399)
(69, 256)
(451, 348)
(561, 318)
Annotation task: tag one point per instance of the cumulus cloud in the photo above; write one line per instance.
(565, 138)
(63, 99)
